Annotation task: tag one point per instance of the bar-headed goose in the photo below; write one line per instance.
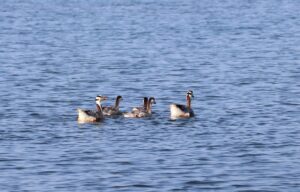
(85, 116)
(145, 112)
(113, 110)
(183, 111)
(144, 107)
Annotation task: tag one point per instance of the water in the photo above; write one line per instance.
(241, 59)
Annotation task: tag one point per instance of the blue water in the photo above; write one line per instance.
(241, 59)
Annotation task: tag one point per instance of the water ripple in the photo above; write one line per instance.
(239, 58)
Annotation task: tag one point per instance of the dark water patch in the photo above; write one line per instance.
(142, 186)
(198, 182)
(258, 190)
(41, 173)
(10, 159)
(130, 187)
(289, 103)
(122, 162)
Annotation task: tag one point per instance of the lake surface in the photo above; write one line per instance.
(241, 59)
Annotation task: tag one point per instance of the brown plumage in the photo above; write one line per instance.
(113, 110)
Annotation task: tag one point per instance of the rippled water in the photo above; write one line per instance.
(241, 59)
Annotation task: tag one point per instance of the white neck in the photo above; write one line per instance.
(99, 104)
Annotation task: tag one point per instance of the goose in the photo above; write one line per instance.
(145, 112)
(85, 116)
(183, 111)
(150, 103)
(144, 107)
(113, 110)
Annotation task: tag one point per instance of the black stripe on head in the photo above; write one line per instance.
(98, 97)
(152, 99)
(190, 93)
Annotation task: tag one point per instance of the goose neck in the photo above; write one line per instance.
(99, 107)
(188, 102)
(117, 103)
(145, 102)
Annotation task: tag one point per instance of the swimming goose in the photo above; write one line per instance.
(183, 111)
(150, 103)
(85, 116)
(113, 110)
(144, 107)
(145, 112)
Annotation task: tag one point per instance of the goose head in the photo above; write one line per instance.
(100, 98)
(190, 94)
(119, 98)
(152, 100)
